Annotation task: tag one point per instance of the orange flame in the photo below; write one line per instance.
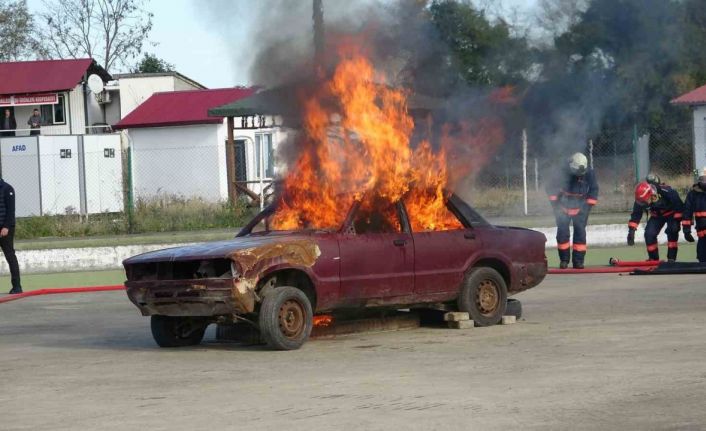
(355, 145)
(323, 320)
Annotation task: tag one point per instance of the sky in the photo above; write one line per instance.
(184, 36)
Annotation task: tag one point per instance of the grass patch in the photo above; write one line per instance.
(164, 214)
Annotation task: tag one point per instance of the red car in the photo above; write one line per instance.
(278, 280)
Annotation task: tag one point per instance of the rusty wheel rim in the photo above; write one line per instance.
(291, 319)
(488, 297)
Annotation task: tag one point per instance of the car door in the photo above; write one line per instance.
(441, 255)
(377, 255)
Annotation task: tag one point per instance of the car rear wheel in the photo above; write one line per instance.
(175, 331)
(286, 318)
(484, 296)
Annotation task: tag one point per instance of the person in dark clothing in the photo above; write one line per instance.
(8, 124)
(666, 208)
(695, 208)
(35, 122)
(7, 233)
(572, 199)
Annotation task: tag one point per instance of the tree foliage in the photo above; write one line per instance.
(16, 32)
(113, 32)
(483, 52)
(150, 63)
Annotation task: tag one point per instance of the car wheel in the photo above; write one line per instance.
(484, 296)
(286, 318)
(514, 308)
(174, 331)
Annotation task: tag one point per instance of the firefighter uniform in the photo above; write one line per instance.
(695, 208)
(572, 200)
(665, 210)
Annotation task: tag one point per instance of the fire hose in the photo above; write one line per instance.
(39, 292)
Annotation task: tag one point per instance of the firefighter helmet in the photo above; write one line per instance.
(645, 192)
(653, 178)
(702, 179)
(578, 163)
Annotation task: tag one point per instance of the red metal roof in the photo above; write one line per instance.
(694, 97)
(179, 108)
(42, 76)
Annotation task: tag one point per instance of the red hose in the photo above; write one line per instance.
(38, 292)
(599, 270)
(617, 262)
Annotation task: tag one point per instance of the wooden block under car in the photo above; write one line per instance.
(461, 324)
(509, 320)
(456, 316)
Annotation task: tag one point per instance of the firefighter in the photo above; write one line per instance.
(695, 208)
(665, 208)
(572, 199)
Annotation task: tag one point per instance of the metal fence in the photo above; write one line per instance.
(503, 186)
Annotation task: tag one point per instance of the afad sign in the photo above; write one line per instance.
(32, 99)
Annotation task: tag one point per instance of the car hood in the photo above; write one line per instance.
(214, 250)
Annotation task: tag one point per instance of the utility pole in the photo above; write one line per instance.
(318, 17)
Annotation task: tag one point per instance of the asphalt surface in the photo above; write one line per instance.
(592, 352)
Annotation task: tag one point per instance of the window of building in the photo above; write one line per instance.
(55, 114)
(264, 148)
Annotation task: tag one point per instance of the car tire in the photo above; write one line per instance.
(484, 296)
(286, 318)
(514, 308)
(176, 331)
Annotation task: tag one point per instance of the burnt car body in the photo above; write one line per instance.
(473, 269)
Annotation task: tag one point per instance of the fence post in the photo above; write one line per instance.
(634, 151)
(590, 153)
(524, 166)
(130, 198)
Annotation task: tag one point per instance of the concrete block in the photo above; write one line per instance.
(509, 320)
(456, 316)
(461, 324)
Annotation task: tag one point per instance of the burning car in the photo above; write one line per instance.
(365, 217)
(278, 280)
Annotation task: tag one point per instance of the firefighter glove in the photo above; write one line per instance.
(687, 234)
(631, 237)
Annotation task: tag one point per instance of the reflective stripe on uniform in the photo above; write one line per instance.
(572, 211)
(672, 244)
(553, 198)
(652, 247)
(591, 201)
(580, 247)
(700, 214)
(701, 233)
(686, 222)
(563, 246)
(633, 225)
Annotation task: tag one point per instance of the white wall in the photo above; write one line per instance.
(135, 90)
(61, 188)
(700, 137)
(103, 173)
(20, 168)
(184, 161)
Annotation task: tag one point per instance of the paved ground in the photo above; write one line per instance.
(594, 352)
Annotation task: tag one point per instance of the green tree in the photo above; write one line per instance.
(483, 52)
(150, 63)
(16, 32)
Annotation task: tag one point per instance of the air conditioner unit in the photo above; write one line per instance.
(103, 97)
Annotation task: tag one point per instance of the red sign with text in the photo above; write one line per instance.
(32, 99)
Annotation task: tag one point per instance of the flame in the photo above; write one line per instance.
(323, 320)
(355, 144)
